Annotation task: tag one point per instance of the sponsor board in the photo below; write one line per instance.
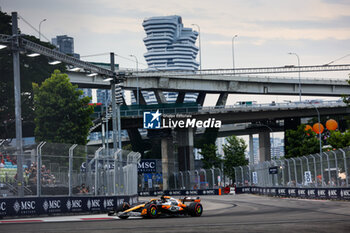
(147, 166)
(57, 205)
(181, 192)
(317, 193)
(345, 194)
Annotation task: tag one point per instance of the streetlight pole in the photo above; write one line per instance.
(40, 27)
(298, 74)
(18, 111)
(200, 47)
(233, 53)
(137, 80)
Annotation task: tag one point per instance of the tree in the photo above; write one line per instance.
(61, 114)
(234, 155)
(339, 140)
(301, 142)
(346, 98)
(31, 70)
(210, 159)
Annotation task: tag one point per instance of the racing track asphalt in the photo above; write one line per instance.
(239, 213)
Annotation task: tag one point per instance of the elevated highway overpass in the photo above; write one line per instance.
(224, 83)
(247, 113)
(242, 80)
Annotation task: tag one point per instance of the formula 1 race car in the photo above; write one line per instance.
(164, 206)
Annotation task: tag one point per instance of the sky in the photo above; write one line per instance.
(317, 30)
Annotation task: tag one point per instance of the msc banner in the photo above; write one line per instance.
(54, 205)
(147, 166)
(319, 193)
(181, 192)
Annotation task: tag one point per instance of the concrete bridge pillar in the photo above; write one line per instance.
(264, 146)
(168, 160)
(142, 100)
(184, 139)
(180, 97)
(160, 97)
(201, 98)
(222, 99)
(251, 150)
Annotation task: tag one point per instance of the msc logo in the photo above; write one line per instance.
(151, 120)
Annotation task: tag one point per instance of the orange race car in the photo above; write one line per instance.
(164, 206)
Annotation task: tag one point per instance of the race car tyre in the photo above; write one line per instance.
(152, 211)
(123, 217)
(195, 209)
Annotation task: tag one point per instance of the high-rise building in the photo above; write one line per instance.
(170, 46)
(65, 44)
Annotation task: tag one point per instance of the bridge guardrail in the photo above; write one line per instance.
(198, 109)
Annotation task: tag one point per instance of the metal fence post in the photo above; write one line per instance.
(70, 173)
(38, 164)
(307, 163)
(189, 179)
(336, 167)
(282, 168)
(289, 180)
(97, 155)
(198, 179)
(182, 179)
(301, 169)
(116, 186)
(345, 167)
(329, 169)
(315, 170)
(321, 162)
(268, 174)
(212, 176)
(205, 175)
(295, 171)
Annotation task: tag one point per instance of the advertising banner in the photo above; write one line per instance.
(57, 205)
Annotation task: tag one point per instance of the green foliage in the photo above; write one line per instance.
(61, 115)
(234, 155)
(339, 140)
(34, 69)
(210, 159)
(301, 142)
(346, 98)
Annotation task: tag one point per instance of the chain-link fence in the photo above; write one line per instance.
(330, 169)
(63, 169)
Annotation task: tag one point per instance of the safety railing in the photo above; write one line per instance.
(51, 169)
(329, 169)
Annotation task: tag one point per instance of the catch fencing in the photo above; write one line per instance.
(200, 179)
(68, 170)
(327, 170)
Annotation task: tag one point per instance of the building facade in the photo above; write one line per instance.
(170, 47)
(65, 44)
